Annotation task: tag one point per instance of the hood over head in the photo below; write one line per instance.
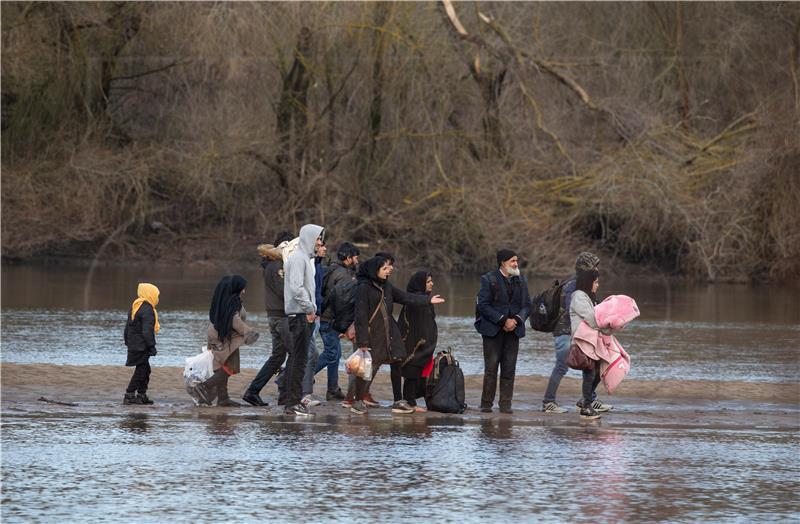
(309, 234)
(417, 282)
(369, 270)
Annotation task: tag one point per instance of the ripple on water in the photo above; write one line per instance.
(113, 467)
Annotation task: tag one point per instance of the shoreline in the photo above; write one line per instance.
(98, 390)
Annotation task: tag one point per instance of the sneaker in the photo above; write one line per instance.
(309, 401)
(131, 399)
(552, 407)
(420, 409)
(589, 413)
(298, 410)
(359, 408)
(228, 403)
(347, 404)
(507, 411)
(401, 406)
(597, 405)
(370, 402)
(486, 409)
(334, 395)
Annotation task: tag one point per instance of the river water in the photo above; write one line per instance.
(192, 465)
(722, 332)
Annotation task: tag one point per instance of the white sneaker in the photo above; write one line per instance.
(309, 401)
(552, 407)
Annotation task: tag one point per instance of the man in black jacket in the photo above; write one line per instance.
(503, 306)
(272, 264)
(338, 271)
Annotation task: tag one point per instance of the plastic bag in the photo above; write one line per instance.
(198, 369)
(360, 364)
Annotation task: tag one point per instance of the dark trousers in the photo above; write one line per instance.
(499, 351)
(403, 388)
(300, 333)
(279, 329)
(591, 379)
(140, 378)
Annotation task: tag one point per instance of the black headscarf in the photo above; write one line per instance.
(369, 270)
(584, 280)
(418, 323)
(226, 303)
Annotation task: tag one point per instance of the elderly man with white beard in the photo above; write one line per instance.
(503, 306)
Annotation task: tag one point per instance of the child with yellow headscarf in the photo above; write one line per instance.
(140, 337)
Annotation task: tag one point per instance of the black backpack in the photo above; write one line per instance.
(445, 389)
(546, 308)
(343, 301)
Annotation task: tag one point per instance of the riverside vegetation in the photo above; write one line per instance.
(665, 134)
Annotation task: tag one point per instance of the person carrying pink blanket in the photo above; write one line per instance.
(591, 332)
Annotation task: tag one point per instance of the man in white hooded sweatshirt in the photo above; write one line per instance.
(298, 293)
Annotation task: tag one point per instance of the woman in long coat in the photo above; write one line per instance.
(140, 337)
(375, 327)
(227, 331)
(420, 334)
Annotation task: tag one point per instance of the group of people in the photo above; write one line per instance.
(353, 300)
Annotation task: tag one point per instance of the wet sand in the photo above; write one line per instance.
(709, 404)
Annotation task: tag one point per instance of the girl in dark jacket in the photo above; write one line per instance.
(376, 328)
(140, 337)
(420, 333)
(226, 332)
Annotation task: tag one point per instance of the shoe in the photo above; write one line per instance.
(202, 393)
(297, 410)
(253, 399)
(334, 395)
(486, 410)
(309, 401)
(131, 399)
(507, 411)
(144, 398)
(552, 407)
(589, 413)
(597, 405)
(347, 404)
(228, 403)
(370, 402)
(420, 409)
(401, 406)
(359, 408)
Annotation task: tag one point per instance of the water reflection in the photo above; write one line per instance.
(389, 469)
(135, 423)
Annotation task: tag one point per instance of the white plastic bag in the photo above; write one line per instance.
(360, 364)
(198, 369)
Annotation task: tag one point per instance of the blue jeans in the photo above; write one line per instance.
(560, 369)
(330, 356)
(311, 363)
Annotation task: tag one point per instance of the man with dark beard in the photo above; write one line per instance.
(503, 305)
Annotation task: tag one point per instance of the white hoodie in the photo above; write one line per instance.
(299, 287)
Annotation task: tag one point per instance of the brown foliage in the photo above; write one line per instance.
(665, 134)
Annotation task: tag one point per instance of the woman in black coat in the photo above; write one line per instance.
(420, 334)
(140, 337)
(376, 328)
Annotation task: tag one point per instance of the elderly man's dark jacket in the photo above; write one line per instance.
(501, 298)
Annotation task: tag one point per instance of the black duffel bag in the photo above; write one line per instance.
(445, 388)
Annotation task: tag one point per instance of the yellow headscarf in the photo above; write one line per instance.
(147, 293)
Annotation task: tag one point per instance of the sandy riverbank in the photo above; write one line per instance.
(99, 389)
